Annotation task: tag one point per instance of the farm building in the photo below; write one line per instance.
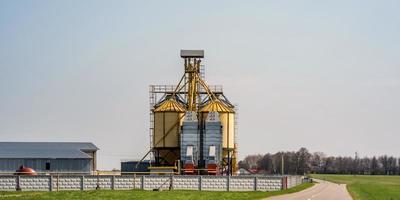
(76, 157)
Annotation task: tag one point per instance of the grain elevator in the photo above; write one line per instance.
(192, 124)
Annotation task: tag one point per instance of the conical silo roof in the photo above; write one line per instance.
(170, 105)
(216, 106)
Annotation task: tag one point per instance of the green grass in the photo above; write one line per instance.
(363, 187)
(142, 194)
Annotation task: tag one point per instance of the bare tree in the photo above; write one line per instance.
(302, 162)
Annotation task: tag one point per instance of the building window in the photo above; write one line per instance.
(47, 165)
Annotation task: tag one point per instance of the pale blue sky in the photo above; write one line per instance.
(320, 74)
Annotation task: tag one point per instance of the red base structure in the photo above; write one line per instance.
(212, 169)
(189, 169)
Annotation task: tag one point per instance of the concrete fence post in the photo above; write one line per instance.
(200, 182)
(228, 182)
(50, 183)
(134, 181)
(142, 182)
(284, 182)
(255, 183)
(18, 185)
(113, 182)
(171, 182)
(98, 181)
(82, 183)
(58, 181)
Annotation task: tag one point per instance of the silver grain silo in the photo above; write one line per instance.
(190, 142)
(212, 142)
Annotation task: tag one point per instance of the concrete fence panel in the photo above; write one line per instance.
(269, 183)
(66, 183)
(186, 182)
(156, 182)
(97, 182)
(8, 183)
(216, 183)
(178, 182)
(127, 182)
(294, 181)
(239, 183)
(35, 183)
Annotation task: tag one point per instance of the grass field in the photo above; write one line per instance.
(368, 187)
(142, 194)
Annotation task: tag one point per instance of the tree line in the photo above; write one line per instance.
(304, 162)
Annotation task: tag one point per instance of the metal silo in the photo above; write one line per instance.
(190, 142)
(168, 116)
(212, 143)
(227, 118)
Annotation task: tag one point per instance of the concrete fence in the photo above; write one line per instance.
(293, 181)
(124, 182)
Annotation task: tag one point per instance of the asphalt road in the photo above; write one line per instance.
(324, 190)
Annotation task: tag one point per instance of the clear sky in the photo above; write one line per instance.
(320, 74)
